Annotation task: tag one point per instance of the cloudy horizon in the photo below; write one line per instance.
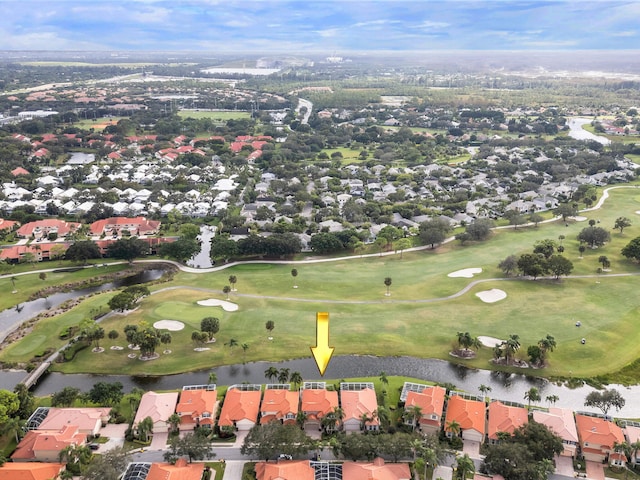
(340, 27)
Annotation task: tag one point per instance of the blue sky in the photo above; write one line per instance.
(341, 26)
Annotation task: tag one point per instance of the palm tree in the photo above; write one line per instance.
(383, 415)
(387, 282)
(213, 378)
(283, 375)
(453, 427)
(296, 379)
(383, 378)
(581, 249)
(233, 280)
(245, 347)
(364, 419)
(271, 373)
(532, 395)
(604, 261)
(231, 343)
(464, 466)
(145, 427)
(552, 399)
(511, 346)
(413, 414)
(174, 422)
(226, 289)
(547, 344)
(484, 389)
(294, 274)
(13, 283)
(301, 418)
(75, 456)
(464, 340)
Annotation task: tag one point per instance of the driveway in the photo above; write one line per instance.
(159, 441)
(115, 433)
(564, 466)
(445, 473)
(233, 470)
(595, 470)
(471, 448)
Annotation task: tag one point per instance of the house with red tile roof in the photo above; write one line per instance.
(597, 437)
(41, 153)
(315, 403)
(197, 407)
(180, 471)
(359, 405)
(279, 405)
(376, 470)
(46, 445)
(158, 406)
(561, 422)
(42, 228)
(469, 415)
(285, 470)
(19, 171)
(7, 224)
(40, 251)
(632, 434)
(430, 402)
(241, 407)
(504, 418)
(137, 226)
(88, 420)
(31, 471)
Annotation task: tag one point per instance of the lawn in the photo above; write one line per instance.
(415, 320)
(27, 281)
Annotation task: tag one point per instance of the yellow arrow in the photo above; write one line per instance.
(322, 351)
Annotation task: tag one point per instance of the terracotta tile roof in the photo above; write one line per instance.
(470, 414)
(239, 405)
(7, 224)
(194, 403)
(430, 400)
(318, 402)
(285, 470)
(355, 403)
(180, 471)
(86, 419)
(277, 404)
(503, 418)
(30, 471)
(158, 406)
(597, 431)
(560, 421)
(62, 228)
(140, 225)
(36, 441)
(376, 470)
(19, 171)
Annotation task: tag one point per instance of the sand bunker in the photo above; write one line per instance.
(171, 325)
(491, 296)
(466, 273)
(580, 219)
(490, 341)
(214, 302)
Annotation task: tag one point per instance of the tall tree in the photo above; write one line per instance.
(464, 467)
(604, 400)
(210, 325)
(194, 446)
(532, 396)
(127, 249)
(387, 282)
(294, 274)
(233, 280)
(268, 440)
(622, 223)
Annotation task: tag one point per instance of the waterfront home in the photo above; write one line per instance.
(504, 418)
(197, 407)
(561, 422)
(279, 404)
(158, 406)
(240, 407)
(359, 405)
(597, 438)
(468, 415)
(430, 403)
(316, 402)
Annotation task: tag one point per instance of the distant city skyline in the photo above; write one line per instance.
(334, 27)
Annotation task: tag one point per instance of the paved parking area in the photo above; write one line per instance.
(564, 466)
(595, 471)
(115, 433)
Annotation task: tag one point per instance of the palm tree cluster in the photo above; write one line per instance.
(465, 343)
(283, 375)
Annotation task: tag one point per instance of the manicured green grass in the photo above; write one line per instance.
(216, 115)
(348, 155)
(27, 285)
(98, 123)
(634, 158)
(415, 320)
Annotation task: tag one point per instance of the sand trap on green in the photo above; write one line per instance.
(465, 273)
(214, 302)
(490, 341)
(171, 325)
(491, 296)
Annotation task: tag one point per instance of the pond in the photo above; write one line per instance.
(504, 386)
